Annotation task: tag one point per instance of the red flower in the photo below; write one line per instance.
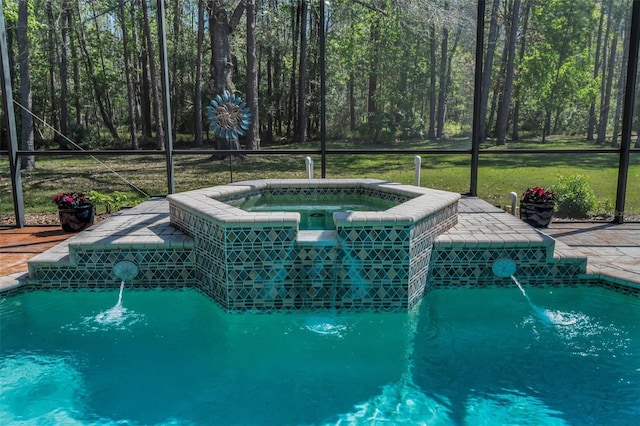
(70, 200)
(538, 195)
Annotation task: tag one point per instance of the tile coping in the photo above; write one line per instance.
(422, 203)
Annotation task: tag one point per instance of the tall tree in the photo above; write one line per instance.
(372, 106)
(103, 74)
(568, 23)
(153, 76)
(488, 67)
(301, 121)
(97, 85)
(603, 79)
(515, 135)
(442, 88)
(502, 120)
(144, 86)
(295, 39)
(221, 27)
(621, 81)
(253, 136)
(591, 123)
(555, 66)
(431, 133)
(197, 101)
(64, 69)
(28, 162)
(77, 97)
(133, 131)
(52, 65)
(606, 101)
(176, 82)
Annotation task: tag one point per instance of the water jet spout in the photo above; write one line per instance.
(125, 270)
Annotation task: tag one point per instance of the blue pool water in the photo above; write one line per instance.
(464, 357)
(316, 213)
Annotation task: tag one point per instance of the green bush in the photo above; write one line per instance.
(112, 202)
(574, 196)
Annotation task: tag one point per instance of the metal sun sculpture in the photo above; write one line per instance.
(228, 116)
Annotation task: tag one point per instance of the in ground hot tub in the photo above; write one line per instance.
(264, 260)
(316, 209)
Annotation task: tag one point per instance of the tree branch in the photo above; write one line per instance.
(371, 7)
(237, 14)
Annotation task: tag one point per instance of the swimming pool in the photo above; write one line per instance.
(472, 356)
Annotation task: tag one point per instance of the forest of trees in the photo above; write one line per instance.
(89, 70)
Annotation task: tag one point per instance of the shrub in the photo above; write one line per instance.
(112, 202)
(82, 137)
(574, 196)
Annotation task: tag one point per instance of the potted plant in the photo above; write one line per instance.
(536, 206)
(75, 211)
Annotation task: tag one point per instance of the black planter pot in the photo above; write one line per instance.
(538, 215)
(76, 219)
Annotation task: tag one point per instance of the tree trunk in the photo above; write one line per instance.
(270, 98)
(372, 107)
(432, 83)
(451, 54)
(144, 89)
(176, 82)
(502, 121)
(11, 28)
(27, 162)
(352, 102)
(488, 68)
(617, 119)
(105, 88)
(133, 131)
(602, 132)
(52, 65)
(301, 121)
(591, 124)
(155, 97)
(515, 135)
(490, 127)
(292, 108)
(278, 99)
(253, 135)
(442, 89)
(64, 67)
(198, 101)
(75, 66)
(547, 121)
(606, 103)
(222, 27)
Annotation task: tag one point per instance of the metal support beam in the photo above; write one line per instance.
(477, 94)
(168, 144)
(10, 119)
(627, 112)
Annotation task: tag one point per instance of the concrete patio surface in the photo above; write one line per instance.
(612, 249)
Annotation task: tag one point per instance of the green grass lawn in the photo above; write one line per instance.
(145, 175)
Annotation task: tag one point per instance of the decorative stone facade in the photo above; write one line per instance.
(262, 261)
